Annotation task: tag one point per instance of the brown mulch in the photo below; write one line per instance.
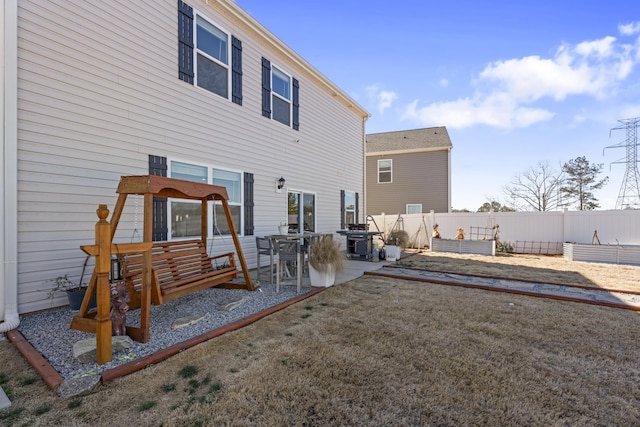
(378, 351)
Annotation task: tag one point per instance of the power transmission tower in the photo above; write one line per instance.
(629, 196)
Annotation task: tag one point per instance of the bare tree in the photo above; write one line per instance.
(537, 188)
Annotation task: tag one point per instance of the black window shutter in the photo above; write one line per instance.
(248, 204)
(357, 213)
(343, 225)
(296, 105)
(158, 167)
(185, 42)
(236, 70)
(266, 88)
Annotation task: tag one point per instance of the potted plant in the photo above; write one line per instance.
(395, 242)
(283, 228)
(75, 291)
(325, 260)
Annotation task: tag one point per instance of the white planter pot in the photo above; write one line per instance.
(393, 252)
(283, 229)
(324, 278)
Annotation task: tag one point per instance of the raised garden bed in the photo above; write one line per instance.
(610, 254)
(464, 246)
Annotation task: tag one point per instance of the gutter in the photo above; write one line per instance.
(9, 161)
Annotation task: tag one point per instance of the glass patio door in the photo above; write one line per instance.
(301, 209)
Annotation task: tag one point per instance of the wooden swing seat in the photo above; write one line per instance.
(179, 268)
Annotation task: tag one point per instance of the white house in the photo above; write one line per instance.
(96, 90)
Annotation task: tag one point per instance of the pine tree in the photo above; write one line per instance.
(581, 181)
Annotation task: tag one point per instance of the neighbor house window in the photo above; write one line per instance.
(186, 216)
(207, 55)
(415, 208)
(385, 170)
(280, 95)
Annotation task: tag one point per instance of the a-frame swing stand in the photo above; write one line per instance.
(148, 186)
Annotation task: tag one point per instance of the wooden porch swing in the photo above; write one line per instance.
(155, 272)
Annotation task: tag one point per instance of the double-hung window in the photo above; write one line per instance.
(233, 183)
(385, 169)
(208, 56)
(349, 208)
(185, 215)
(280, 95)
(212, 57)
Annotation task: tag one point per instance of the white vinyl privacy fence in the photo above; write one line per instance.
(528, 229)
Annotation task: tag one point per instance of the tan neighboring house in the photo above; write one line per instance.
(408, 171)
(197, 90)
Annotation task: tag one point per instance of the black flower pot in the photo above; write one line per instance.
(75, 297)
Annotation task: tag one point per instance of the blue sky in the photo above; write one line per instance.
(515, 83)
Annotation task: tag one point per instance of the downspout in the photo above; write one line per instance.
(9, 176)
(449, 180)
(364, 172)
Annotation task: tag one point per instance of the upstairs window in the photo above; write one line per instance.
(280, 96)
(212, 57)
(208, 56)
(385, 169)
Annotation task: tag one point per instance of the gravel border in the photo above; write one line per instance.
(49, 331)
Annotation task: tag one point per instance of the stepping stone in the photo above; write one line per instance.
(188, 321)
(85, 350)
(231, 305)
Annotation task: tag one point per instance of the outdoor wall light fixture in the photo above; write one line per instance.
(280, 183)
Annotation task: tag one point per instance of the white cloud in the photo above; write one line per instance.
(506, 90)
(382, 98)
(497, 111)
(629, 29)
(385, 99)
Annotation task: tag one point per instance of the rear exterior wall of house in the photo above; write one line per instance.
(98, 93)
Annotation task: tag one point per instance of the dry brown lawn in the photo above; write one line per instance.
(378, 351)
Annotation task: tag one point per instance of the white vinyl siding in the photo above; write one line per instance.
(99, 92)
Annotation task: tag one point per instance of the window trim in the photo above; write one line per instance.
(390, 172)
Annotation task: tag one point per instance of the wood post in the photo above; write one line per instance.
(103, 290)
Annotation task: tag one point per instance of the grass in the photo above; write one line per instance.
(145, 406)
(188, 371)
(384, 352)
(74, 403)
